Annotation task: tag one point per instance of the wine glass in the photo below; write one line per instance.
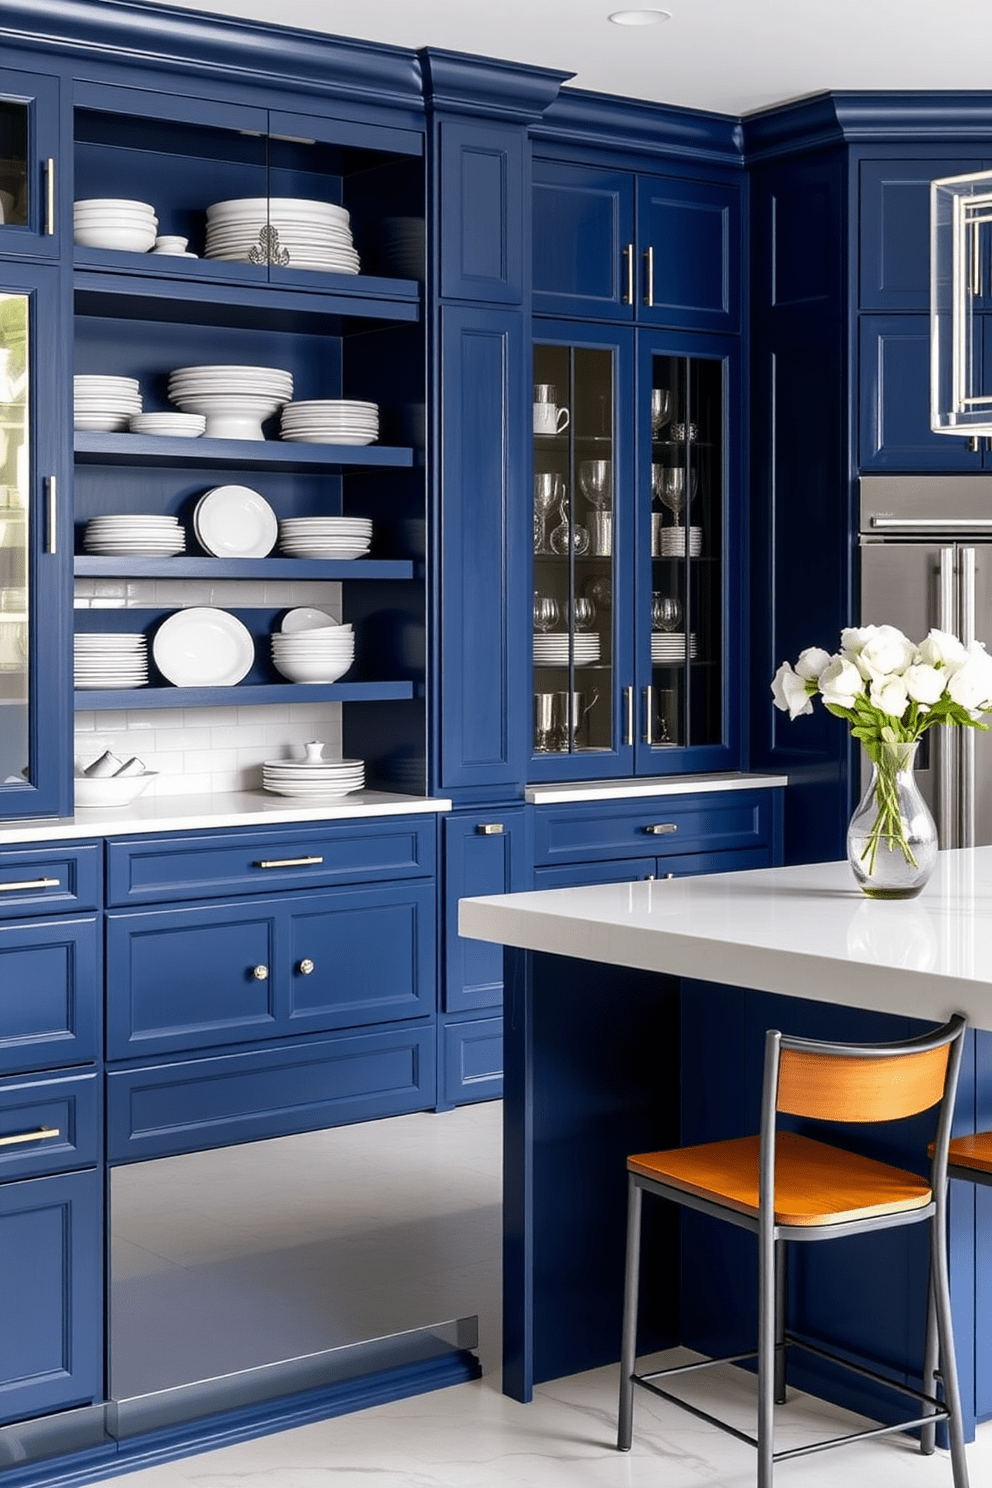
(669, 486)
(583, 614)
(596, 482)
(545, 612)
(666, 612)
(661, 410)
(548, 491)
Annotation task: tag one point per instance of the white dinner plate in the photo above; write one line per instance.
(235, 522)
(203, 647)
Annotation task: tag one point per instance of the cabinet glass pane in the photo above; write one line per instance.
(14, 175)
(14, 487)
(686, 415)
(574, 622)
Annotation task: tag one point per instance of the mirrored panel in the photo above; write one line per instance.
(15, 473)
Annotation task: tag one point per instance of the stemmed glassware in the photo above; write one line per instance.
(545, 612)
(548, 492)
(596, 482)
(661, 410)
(583, 614)
(668, 485)
(666, 612)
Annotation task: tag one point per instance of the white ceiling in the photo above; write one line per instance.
(731, 56)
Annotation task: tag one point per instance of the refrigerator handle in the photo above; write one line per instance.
(947, 819)
(968, 735)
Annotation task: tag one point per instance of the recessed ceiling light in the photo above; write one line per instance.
(639, 17)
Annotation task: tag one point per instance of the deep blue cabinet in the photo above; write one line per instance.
(481, 184)
(609, 244)
(33, 196)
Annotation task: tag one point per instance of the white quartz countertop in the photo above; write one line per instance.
(803, 931)
(654, 785)
(205, 812)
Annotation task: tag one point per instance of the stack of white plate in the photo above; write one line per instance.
(669, 646)
(234, 400)
(673, 542)
(552, 650)
(109, 222)
(291, 232)
(110, 660)
(322, 778)
(235, 522)
(331, 421)
(172, 425)
(103, 403)
(128, 535)
(320, 655)
(325, 537)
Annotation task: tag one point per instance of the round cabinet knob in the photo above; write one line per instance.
(260, 973)
(305, 967)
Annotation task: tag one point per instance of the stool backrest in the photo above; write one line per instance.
(859, 1087)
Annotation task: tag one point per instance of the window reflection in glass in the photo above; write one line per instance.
(14, 517)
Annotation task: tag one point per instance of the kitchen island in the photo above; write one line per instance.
(634, 1019)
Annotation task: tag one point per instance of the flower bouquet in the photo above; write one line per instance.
(891, 691)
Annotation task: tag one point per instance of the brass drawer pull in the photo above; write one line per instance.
(43, 1134)
(661, 829)
(29, 883)
(288, 862)
(489, 829)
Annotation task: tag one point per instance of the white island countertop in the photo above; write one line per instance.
(803, 931)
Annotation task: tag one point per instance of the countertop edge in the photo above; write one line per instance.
(562, 792)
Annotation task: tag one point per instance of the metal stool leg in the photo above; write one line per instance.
(628, 1345)
(767, 1357)
(928, 1435)
(945, 1334)
(781, 1300)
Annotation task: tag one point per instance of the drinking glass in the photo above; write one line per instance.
(583, 614)
(661, 410)
(548, 492)
(669, 486)
(666, 612)
(545, 612)
(596, 482)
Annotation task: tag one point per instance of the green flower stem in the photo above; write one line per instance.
(889, 822)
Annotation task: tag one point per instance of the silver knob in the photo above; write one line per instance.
(305, 967)
(260, 973)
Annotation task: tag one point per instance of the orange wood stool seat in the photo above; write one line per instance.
(973, 1154)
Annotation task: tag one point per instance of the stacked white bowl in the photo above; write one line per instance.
(321, 652)
(234, 400)
(104, 404)
(330, 421)
(291, 232)
(110, 222)
(134, 536)
(325, 537)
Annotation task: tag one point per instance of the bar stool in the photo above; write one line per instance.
(783, 1186)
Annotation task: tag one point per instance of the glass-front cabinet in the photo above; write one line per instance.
(29, 204)
(632, 590)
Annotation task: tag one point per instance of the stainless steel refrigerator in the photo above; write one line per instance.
(926, 560)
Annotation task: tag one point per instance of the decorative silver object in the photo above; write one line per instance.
(268, 250)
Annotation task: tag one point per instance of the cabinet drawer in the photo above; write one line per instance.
(473, 1060)
(148, 869)
(52, 999)
(48, 1125)
(46, 879)
(188, 1106)
(661, 827)
(223, 973)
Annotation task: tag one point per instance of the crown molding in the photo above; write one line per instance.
(631, 125)
(463, 83)
(848, 117)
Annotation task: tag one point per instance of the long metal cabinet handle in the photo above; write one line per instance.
(628, 703)
(947, 756)
(935, 524)
(975, 284)
(52, 490)
(18, 1139)
(648, 697)
(968, 735)
(29, 883)
(50, 197)
(628, 259)
(649, 275)
(288, 862)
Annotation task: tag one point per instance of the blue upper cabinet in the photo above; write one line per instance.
(482, 252)
(663, 250)
(31, 203)
(894, 271)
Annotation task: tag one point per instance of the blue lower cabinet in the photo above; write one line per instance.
(472, 1060)
(51, 993)
(187, 978)
(50, 1123)
(51, 1322)
(190, 1105)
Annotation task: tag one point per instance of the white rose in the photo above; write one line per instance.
(970, 684)
(924, 683)
(789, 692)
(853, 638)
(840, 682)
(889, 695)
(941, 649)
(888, 651)
(811, 663)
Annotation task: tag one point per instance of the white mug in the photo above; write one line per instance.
(549, 419)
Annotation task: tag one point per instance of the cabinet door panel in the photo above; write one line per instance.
(372, 957)
(482, 209)
(185, 978)
(895, 400)
(50, 994)
(33, 216)
(51, 1261)
(50, 1124)
(479, 862)
(473, 1060)
(895, 230)
(583, 221)
(693, 231)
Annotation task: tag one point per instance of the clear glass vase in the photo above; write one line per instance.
(892, 838)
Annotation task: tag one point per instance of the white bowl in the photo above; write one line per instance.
(324, 670)
(121, 239)
(109, 203)
(112, 790)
